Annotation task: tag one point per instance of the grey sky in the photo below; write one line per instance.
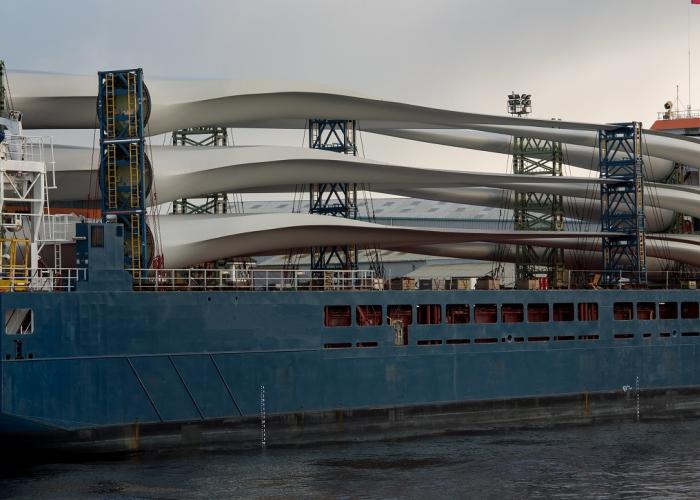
(592, 60)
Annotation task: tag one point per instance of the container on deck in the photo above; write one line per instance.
(403, 284)
(425, 284)
(487, 284)
(528, 284)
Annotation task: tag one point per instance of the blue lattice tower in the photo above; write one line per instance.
(334, 199)
(622, 204)
(120, 111)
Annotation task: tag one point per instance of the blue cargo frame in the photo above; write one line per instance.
(122, 144)
(622, 202)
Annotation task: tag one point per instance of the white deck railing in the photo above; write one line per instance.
(40, 280)
(678, 115)
(29, 148)
(65, 279)
(253, 279)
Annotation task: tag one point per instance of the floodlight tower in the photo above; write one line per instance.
(536, 211)
(519, 104)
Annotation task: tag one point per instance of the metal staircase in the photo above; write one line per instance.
(134, 192)
(111, 184)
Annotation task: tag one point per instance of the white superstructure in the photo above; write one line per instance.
(26, 226)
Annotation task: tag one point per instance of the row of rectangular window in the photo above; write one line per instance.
(624, 311)
(510, 338)
(432, 314)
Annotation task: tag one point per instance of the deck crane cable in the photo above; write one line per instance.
(567, 201)
(155, 211)
(507, 195)
(237, 198)
(293, 257)
(93, 188)
(299, 194)
(298, 199)
(589, 208)
(656, 207)
(584, 213)
(373, 255)
(9, 90)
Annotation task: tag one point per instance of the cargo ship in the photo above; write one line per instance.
(113, 353)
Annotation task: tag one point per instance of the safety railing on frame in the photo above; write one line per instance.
(253, 279)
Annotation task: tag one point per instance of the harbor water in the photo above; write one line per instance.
(627, 459)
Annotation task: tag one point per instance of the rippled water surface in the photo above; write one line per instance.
(623, 460)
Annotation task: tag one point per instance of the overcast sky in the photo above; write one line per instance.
(588, 60)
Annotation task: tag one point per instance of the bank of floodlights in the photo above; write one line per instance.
(519, 104)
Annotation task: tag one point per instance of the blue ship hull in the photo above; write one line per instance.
(137, 363)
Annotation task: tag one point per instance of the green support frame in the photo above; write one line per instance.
(335, 199)
(537, 211)
(214, 203)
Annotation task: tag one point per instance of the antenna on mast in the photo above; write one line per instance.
(689, 74)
